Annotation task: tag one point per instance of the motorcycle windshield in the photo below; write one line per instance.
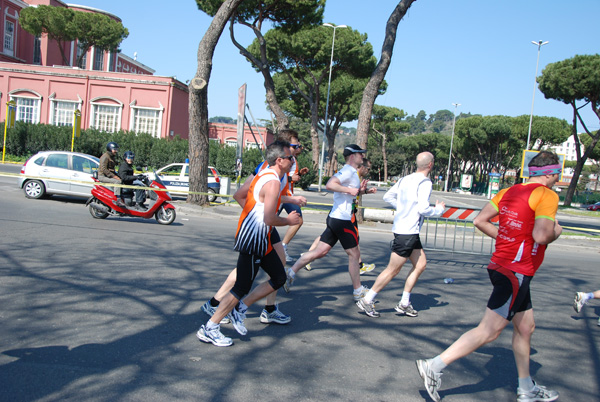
(159, 181)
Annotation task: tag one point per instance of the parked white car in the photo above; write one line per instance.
(45, 166)
(176, 178)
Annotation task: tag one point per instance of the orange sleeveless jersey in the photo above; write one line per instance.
(252, 236)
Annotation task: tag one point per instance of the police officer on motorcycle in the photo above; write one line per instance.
(128, 177)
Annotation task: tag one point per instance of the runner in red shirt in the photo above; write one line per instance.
(527, 225)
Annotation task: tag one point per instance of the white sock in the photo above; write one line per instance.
(405, 301)
(358, 290)
(211, 325)
(437, 364)
(291, 273)
(370, 296)
(589, 296)
(526, 384)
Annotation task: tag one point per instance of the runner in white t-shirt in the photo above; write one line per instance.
(346, 186)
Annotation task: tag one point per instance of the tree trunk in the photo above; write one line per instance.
(282, 119)
(314, 135)
(198, 103)
(384, 156)
(371, 90)
(262, 65)
(332, 157)
(580, 158)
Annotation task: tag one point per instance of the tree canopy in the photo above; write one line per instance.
(64, 25)
(300, 64)
(569, 81)
(287, 15)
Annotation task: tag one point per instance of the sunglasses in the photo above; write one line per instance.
(296, 145)
(289, 157)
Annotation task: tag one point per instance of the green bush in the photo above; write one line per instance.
(25, 140)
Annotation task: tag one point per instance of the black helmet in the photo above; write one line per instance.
(128, 155)
(112, 145)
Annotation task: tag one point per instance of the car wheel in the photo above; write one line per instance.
(165, 216)
(211, 195)
(34, 189)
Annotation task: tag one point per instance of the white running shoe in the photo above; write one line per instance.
(537, 394)
(276, 316)
(579, 301)
(406, 310)
(210, 311)
(290, 280)
(213, 336)
(287, 256)
(431, 379)
(237, 319)
(368, 308)
(366, 268)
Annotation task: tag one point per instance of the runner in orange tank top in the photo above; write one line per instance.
(253, 244)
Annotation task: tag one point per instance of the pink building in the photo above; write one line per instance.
(111, 90)
(227, 134)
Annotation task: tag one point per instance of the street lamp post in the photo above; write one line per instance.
(451, 142)
(539, 44)
(322, 160)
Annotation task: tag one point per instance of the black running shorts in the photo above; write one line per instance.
(247, 269)
(403, 245)
(344, 231)
(275, 237)
(511, 293)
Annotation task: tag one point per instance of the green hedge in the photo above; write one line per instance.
(25, 140)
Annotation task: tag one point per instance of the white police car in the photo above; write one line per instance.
(176, 177)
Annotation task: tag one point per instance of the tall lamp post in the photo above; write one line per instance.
(322, 160)
(539, 44)
(451, 142)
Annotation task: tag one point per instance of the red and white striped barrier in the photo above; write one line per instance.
(463, 214)
(466, 214)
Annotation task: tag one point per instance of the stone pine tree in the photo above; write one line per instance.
(372, 89)
(288, 15)
(571, 81)
(300, 63)
(198, 102)
(387, 124)
(63, 25)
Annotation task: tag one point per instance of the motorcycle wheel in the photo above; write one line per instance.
(97, 214)
(211, 195)
(165, 216)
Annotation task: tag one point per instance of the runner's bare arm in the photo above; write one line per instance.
(482, 221)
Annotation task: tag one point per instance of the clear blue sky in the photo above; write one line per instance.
(474, 52)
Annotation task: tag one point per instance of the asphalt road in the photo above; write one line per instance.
(106, 310)
(321, 201)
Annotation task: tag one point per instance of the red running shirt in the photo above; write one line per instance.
(518, 208)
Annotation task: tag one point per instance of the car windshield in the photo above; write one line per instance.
(174, 170)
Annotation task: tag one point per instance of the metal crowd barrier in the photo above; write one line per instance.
(455, 236)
